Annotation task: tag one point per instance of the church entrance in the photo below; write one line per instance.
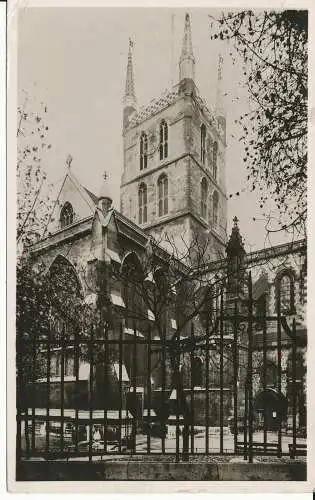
(270, 407)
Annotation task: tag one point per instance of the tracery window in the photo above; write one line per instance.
(215, 202)
(285, 293)
(215, 159)
(204, 198)
(163, 195)
(163, 140)
(142, 203)
(203, 143)
(66, 215)
(143, 151)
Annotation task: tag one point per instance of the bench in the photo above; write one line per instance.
(258, 447)
(300, 449)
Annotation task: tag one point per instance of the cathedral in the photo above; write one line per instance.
(173, 204)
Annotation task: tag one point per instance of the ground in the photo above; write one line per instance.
(170, 445)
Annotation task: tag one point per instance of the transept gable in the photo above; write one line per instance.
(79, 201)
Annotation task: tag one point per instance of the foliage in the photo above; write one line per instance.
(33, 191)
(273, 46)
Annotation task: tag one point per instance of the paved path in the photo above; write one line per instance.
(214, 442)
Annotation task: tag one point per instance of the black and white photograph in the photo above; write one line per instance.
(161, 245)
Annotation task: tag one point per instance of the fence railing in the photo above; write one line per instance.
(107, 394)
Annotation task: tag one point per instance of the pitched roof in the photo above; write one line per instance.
(93, 196)
(260, 287)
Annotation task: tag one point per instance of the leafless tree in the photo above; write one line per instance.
(273, 47)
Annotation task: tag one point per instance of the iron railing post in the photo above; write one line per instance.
(177, 369)
(221, 371)
(279, 371)
(149, 391)
(91, 399)
(47, 435)
(77, 391)
(34, 359)
(163, 395)
(192, 387)
(134, 374)
(104, 329)
(207, 378)
(250, 369)
(62, 388)
(120, 361)
(264, 347)
(294, 388)
(235, 376)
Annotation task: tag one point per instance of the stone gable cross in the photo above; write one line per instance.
(69, 161)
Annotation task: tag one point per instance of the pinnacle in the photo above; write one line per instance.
(187, 60)
(187, 50)
(130, 94)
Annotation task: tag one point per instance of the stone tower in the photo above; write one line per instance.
(174, 160)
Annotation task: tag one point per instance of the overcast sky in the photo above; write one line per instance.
(74, 60)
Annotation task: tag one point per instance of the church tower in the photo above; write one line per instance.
(174, 160)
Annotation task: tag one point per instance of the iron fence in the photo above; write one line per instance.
(125, 393)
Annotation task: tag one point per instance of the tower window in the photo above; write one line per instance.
(215, 159)
(143, 151)
(163, 140)
(215, 208)
(163, 195)
(66, 215)
(204, 198)
(203, 143)
(142, 202)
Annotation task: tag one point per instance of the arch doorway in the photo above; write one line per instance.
(272, 406)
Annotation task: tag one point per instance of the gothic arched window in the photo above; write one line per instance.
(285, 293)
(161, 293)
(271, 374)
(204, 198)
(65, 297)
(203, 304)
(66, 215)
(163, 195)
(215, 201)
(196, 372)
(215, 159)
(132, 290)
(142, 203)
(163, 140)
(143, 151)
(203, 143)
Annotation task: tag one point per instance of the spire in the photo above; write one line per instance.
(219, 101)
(130, 95)
(187, 60)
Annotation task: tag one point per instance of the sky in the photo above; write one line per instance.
(74, 61)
